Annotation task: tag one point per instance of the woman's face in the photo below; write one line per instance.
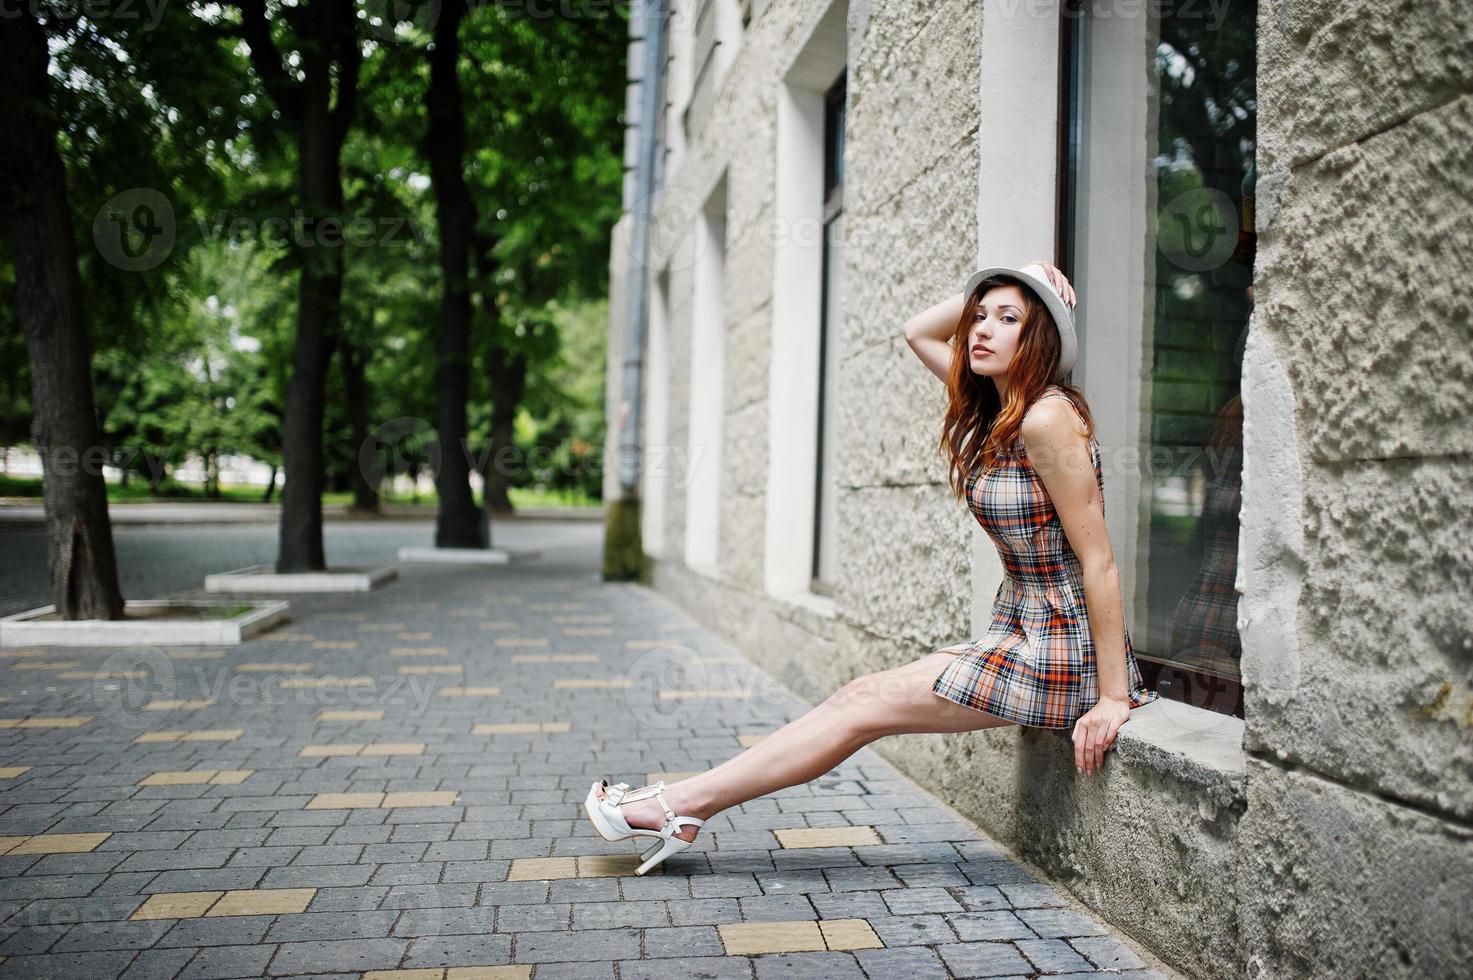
(996, 327)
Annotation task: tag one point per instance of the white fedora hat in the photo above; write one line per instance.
(1034, 277)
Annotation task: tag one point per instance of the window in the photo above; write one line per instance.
(707, 368)
(829, 323)
(1157, 138)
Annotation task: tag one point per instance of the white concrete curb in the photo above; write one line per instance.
(463, 556)
(260, 578)
(22, 629)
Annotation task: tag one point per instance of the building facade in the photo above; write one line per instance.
(1267, 213)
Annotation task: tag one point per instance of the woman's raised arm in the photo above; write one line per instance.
(929, 333)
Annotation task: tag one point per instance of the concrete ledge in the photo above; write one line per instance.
(26, 629)
(260, 578)
(1186, 744)
(463, 556)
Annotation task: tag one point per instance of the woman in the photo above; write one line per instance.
(1036, 486)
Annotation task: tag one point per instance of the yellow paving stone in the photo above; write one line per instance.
(46, 665)
(404, 975)
(176, 905)
(585, 618)
(6, 843)
(468, 611)
(231, 777)
(178, 704)
(414, 636)
(592, 682)
(42, 721)
(723, 661)
(753, 938)
(419, 651)
(519, 727)
(380, 627)
(588, 631)
(433, 669)
(432, 798)
(645, 644)
(650, 778)
(350, 616)
(300, 682)
(32, 652)
(353, 714)
(721, 694)
(542, 869)
(10, 772)
(328, 751)
(521, 641)
(168, 736)
(335, 645)
(555, 658)
(101, 675)
(213, 735)
(827, 837)
(266, 666)
(59, 844)
(469, 692)
(263, 901)
(554, 606)
(489, 973)
(196, 654)
(499, 624)
(610, 866)
(288, 637)
(393, 748)
(345, 801)
(843, 934)
(747, 741)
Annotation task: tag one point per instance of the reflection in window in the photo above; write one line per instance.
(1195, 113)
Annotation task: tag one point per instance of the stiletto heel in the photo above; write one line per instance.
(611, 826)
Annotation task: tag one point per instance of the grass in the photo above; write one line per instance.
(138, 492)
(186, 612)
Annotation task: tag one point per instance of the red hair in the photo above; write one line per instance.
(979, 426)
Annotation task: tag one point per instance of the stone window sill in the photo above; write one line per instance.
(1187, 744)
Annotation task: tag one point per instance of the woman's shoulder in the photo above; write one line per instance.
(1057, 393)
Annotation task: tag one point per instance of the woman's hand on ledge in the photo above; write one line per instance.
(1095, 730)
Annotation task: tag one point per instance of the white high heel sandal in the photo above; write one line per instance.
(611, 825)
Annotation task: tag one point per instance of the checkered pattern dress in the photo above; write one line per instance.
(1036, 663)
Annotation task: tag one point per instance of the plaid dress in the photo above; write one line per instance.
(1036, 663)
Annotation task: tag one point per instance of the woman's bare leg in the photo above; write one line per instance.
(890, 702)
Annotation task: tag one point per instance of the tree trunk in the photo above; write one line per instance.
(270, 486)
(508, 382)
(36, 218)
(328, 28)
(458, 524)
(351, 361)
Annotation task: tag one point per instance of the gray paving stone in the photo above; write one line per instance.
(597, 945)
(437, 951)
(707, 968)
(619, 915)
(1053, 955)
(999, 924)
(808, 966)
(445, 922)
(222, 930)
(1106, 952)
(911, 962)
(153, 964)
(331, 925)
(352, 955)
(223, 962)
(912, 930)
(88, 936)
(983, 959)
(67, 966)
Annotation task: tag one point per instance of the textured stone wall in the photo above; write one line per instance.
(1358, 836)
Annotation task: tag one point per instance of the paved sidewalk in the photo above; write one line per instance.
(392, 782)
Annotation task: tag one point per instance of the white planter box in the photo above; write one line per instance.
(463, 556)
(261, 578)
(27, 629)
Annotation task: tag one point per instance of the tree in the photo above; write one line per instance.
(35, 217)
(317, 101)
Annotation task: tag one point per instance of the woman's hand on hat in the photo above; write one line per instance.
(1059, 281)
